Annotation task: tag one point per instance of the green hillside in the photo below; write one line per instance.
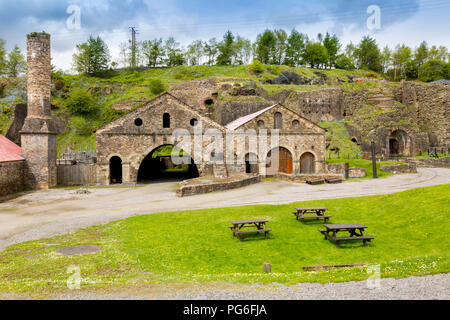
(84, 103)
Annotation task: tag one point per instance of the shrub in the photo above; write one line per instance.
(257, 67)
(156, 86)
(59, 84)
(81, 126)
(81, 102)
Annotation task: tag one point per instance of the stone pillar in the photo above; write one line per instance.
(38, 134)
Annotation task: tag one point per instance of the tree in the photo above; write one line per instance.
(266, 47)
(421, 54)
(295, 46)
(431, 70)
(281, 45)
(344, 62)
(385, 59)
(315, 54)
(124, 54)
(331, 43)
(174, 55)
(350, 52)
(153, 50)
(16, 63)
(2, 57)
(400, 58)
(368, 55)
(210, 49)
(225, 49)
(242, 51)
(195, 52)
(92, 57)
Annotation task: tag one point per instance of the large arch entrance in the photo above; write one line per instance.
(115, 170)
(399, 143)
(158, 165)
(307, 163)
(284, 158)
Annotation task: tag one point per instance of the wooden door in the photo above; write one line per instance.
(307, 163)
(285, 161)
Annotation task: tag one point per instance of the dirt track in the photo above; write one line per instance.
(43, 214)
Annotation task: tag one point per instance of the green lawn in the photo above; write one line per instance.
(366, 164)
(410, 230)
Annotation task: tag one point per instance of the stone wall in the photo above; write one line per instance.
(400, 168)
(199, 186)
(12, 177)
(443, 162)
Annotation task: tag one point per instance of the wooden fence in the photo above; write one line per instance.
(77, 174)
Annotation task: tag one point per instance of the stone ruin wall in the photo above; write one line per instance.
(12, 177)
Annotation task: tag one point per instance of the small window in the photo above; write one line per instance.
(166, 120)
(193, 122)
(260, 124)
(278, 120)
(295, 123)
(138, 122)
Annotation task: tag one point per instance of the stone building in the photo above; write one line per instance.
(127, 149)
(12, 166)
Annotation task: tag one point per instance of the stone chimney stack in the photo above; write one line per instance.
(38, 134)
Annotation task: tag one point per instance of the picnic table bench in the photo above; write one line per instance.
(318, 211)
(315, 180)
(333, 179)
(258, 224)
(331, 230)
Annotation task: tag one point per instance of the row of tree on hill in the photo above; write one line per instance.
(275, 47)
(13, 63)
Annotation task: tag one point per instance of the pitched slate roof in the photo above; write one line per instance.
(243, 120)
(9, 151)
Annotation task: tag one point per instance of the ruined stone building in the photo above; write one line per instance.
(126, 147)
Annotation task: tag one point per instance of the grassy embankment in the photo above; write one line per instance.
(196, 246)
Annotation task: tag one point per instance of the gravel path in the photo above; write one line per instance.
(43, 214)
(412, 288)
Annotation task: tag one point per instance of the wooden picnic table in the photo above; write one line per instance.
(258, 224)
(356, 231)
(318, 211)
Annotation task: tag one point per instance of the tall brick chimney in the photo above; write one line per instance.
(38, 134)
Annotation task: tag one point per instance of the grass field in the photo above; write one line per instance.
(366, 164)
(410, 230)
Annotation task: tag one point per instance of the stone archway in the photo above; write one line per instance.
(115, 170)
(307, 163)
(158, 165)
(399, 143)
(279, 160)
(251, 163)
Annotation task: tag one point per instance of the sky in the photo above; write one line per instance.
(71, 22)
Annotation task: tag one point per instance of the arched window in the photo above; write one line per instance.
(278, 120)
(166, 120)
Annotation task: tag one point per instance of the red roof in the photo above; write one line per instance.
(9, 151)
(243, 120)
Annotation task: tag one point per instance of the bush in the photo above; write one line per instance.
(156, 86)
(81, 102)
(257, 67)
(81, 126)
(431, 70)
(343, 62)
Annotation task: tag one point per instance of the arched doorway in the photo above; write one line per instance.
(251, 163)
(158, 165)
(284, 158)
(399, 143)
(115, 170)
(307, 164)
